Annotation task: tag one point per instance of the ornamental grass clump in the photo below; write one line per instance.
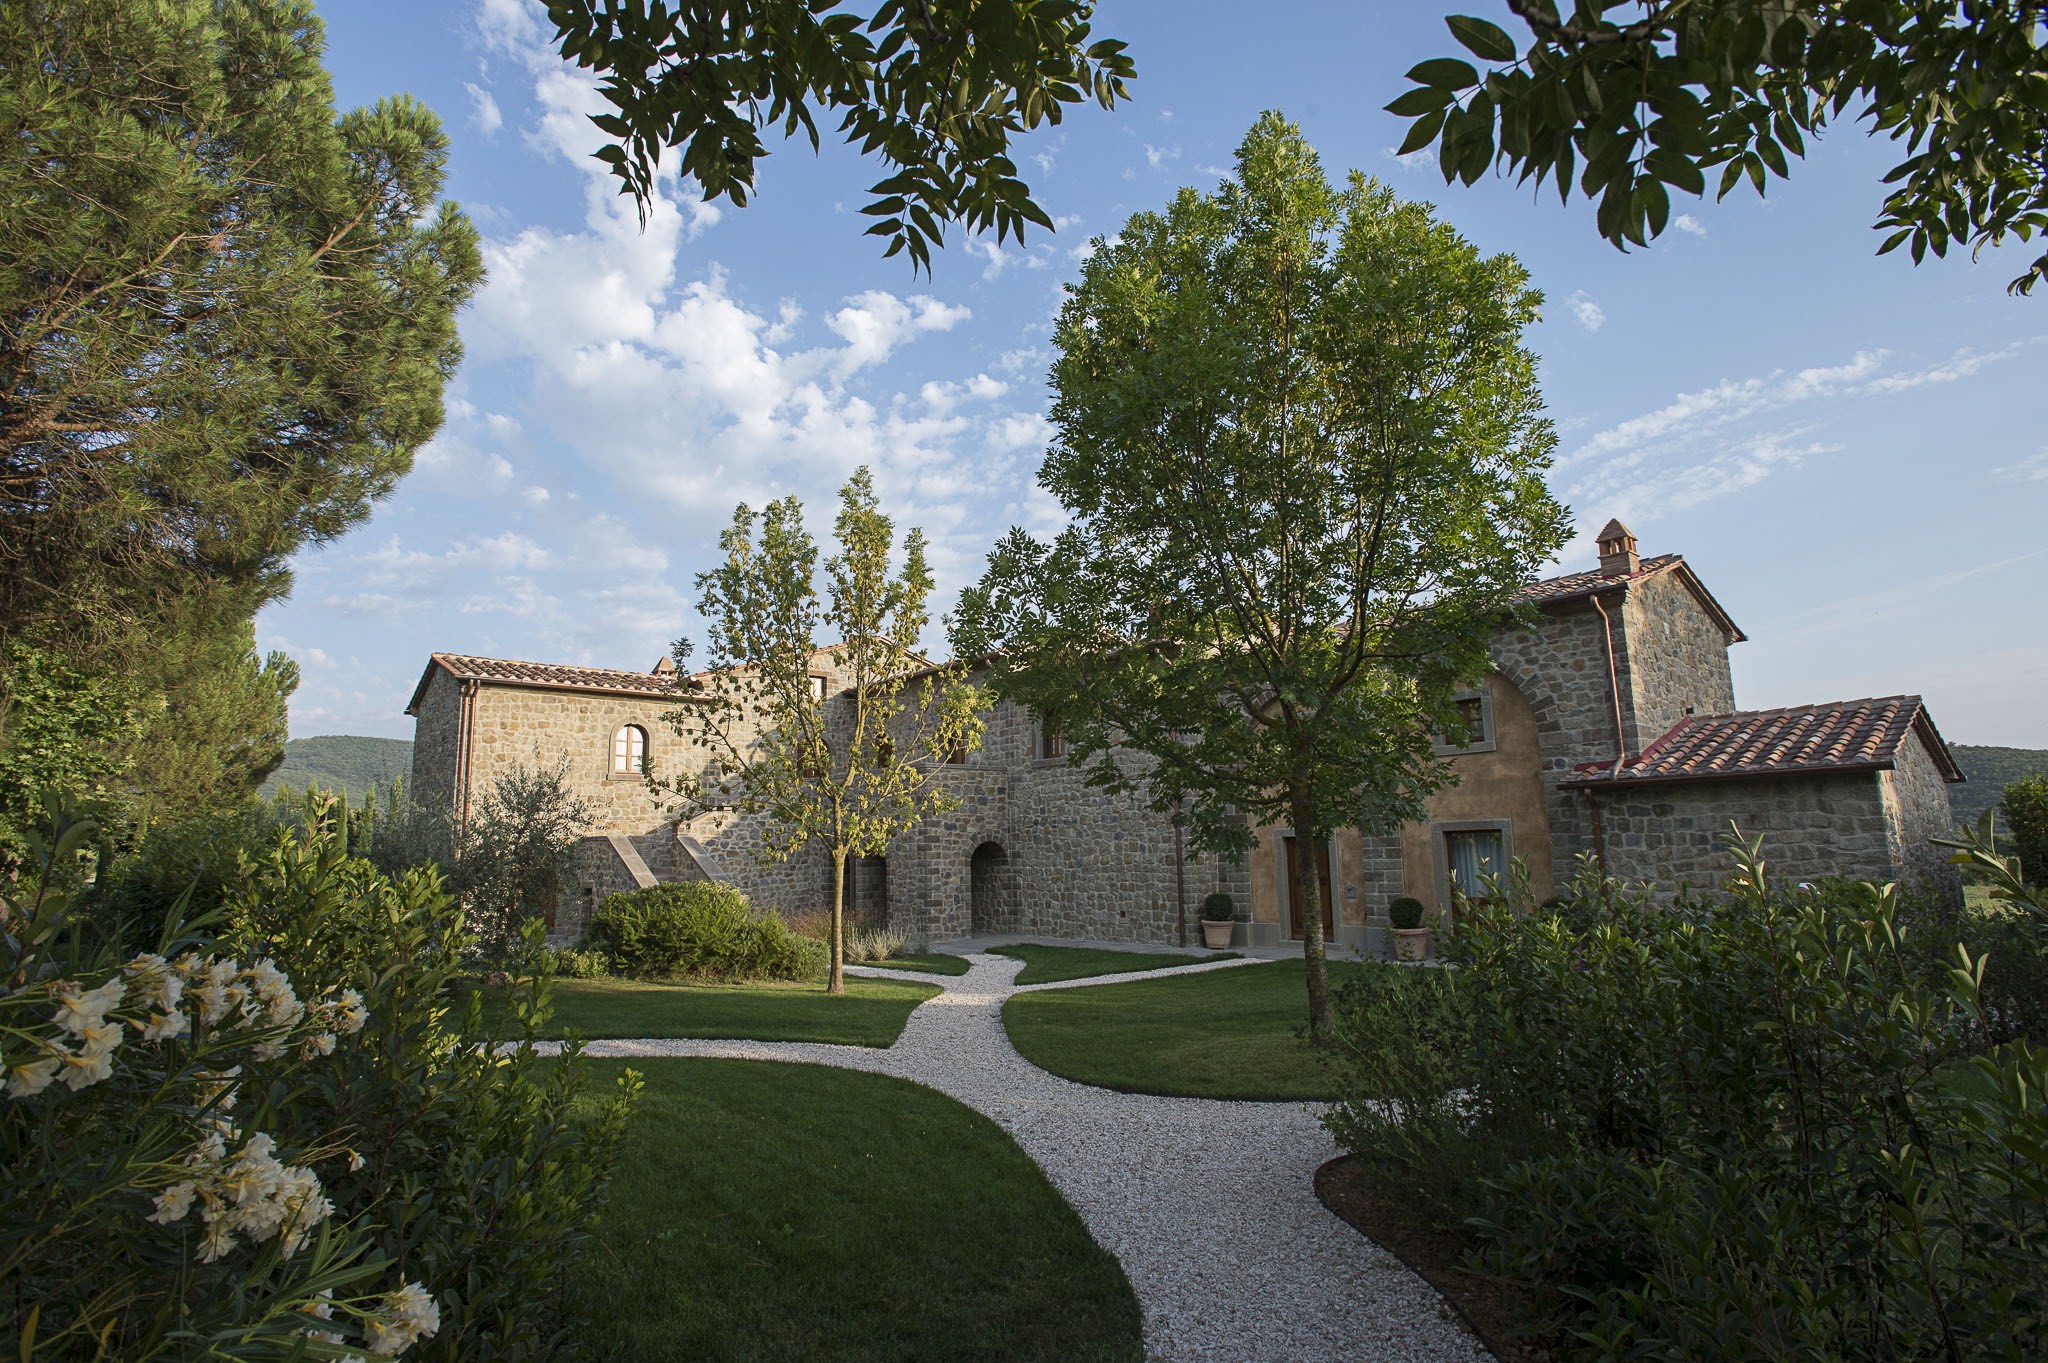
(266, 1138)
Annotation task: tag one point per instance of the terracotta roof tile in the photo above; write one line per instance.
(549, 676)
(1849, 735)
(1592, 580)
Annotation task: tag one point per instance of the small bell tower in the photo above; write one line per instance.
(1618, 551)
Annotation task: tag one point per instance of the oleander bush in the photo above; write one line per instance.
(700, 929)
(581, 963)
(266, 1137)
(1757, 1125)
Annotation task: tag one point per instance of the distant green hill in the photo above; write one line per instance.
(341, 762)
(1990, 771)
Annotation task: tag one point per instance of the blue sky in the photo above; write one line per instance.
(1849, 450)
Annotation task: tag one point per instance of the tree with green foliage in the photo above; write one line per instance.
(1302, 447)
(846, 772)
(226, 315)
(936, 88)
(2024, 808)
(216, 723)
(1641, 97)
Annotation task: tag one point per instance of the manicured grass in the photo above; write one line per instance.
(869, 1013)
(1046, 965)
(930, 962)
(1219, 1034)
(788, 1212)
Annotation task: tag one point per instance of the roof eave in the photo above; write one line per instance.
(1679, 778)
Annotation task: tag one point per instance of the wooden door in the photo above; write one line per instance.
(1295, 915)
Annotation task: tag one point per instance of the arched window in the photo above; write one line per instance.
(629, 750)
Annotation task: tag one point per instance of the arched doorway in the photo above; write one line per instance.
(991, 889)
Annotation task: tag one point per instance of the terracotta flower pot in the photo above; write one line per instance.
(1411, 944)
(1216, 933)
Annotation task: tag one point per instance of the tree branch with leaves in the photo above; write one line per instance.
(938, 89)
(1637, 106)
(849, 768)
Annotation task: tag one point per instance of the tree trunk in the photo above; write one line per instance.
(1321, 1028)
(835, 983)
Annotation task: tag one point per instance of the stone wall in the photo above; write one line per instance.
(436, 741)
(1917, 799)
(1560, 668)
(1076, 861)
(1813, 827)
(1677, 658)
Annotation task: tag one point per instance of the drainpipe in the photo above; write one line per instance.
(1613, 689)
(466, 741)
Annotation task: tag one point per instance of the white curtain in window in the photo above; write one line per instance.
(1473, 855)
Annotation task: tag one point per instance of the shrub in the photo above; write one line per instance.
(1404, 912)
(2025, 810)
(268, 1125)
(698, 928)
(479, 1163)
(1218, 908)
(1746, 1127)
(581, 962)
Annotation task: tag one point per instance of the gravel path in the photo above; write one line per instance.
(1208, 1204)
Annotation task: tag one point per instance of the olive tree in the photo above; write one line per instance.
(1301, 446)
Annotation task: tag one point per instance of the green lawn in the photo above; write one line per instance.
(1046, 965)
(869, 1013)
(1219, 1034)
(930, 962)
(789, 1212)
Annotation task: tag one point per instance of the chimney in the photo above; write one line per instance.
(666, 667)
(1617, 551)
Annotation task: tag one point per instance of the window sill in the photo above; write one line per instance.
(625, 778)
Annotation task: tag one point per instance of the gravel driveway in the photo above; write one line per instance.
(1208, 1204)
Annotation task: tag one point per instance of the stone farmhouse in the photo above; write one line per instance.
(1608, 728)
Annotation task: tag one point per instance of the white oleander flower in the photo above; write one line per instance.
(154, 982)
(31, 1077)
(173, 1203)
(322, 1044)
(87, 1068)
(355, 1162)
(165, 1026)
(216, 1241)
(349, 1013)
(273, 989)
(409, 1315)
(79, 1009)
(101, 1039)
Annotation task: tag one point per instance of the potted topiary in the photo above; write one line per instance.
(1411, 939)
(1217, 912)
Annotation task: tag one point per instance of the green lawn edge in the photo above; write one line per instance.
(770, 1211)
(1053, 965)
(872, 1012)
(1232, 1034)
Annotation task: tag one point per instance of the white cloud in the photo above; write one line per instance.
(1730, 436)
(1686, 222)
(1589, 313)
(1155, 157)
(483, 109)
(2033, 469)
(1420, 157)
